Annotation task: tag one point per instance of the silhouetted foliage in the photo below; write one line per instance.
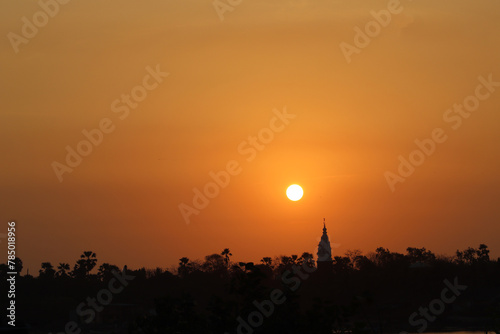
(84, 265)
(227, 254)
(371, 293)
(214, 263)
(63, 270)
(105, 271)
(419, 255)
(47, 271)
(184, 267)
(473, 255)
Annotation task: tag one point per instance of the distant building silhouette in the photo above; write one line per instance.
(325, 261)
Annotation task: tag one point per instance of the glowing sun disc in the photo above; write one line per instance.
(294, 192)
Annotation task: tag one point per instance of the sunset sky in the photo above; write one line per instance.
(228, 80)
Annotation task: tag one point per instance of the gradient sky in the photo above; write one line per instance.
(225, 79)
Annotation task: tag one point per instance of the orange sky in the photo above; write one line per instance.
(353, 120)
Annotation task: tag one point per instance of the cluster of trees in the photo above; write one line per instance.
(81, 270)
(362, 293)
(221, 263)
(353, 260)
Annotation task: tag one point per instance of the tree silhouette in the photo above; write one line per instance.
(184, 267)
(105, 271)
(382, 256)
(214, 262)
(83, 266)
(63, 270)
(362, 262)
(483, 253)
(183, 261)
(422, 255)
(267, 261)
(90, 260)
(226, 253)
(307, 259)
(47, 271)
(386, 258)
(284, 263)
(472, 255)
(357, 260)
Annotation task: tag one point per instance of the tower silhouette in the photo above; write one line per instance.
(325, 261)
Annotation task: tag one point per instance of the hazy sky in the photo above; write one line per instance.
(353, 118)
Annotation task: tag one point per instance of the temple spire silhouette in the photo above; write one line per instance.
(325, 261)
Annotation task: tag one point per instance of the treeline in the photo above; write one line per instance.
(362, 293)
(353, 260)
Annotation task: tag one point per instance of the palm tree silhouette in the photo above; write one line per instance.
(90, 261)
(86, 263)
(226, 253)
(47, 270)
(183, 266)
(63, 269)
(183, 262)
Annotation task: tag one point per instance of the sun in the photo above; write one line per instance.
(294, 192)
